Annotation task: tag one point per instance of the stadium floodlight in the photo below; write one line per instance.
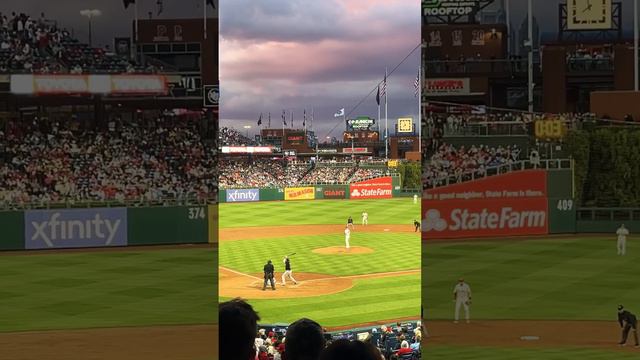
(90, 13)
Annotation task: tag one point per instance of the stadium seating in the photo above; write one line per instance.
(386, 338)
(262, 173)
(30, 45)
(43, 163)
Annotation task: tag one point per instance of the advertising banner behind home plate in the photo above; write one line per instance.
(504, 205)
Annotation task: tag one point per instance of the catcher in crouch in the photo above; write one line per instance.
(287, 270)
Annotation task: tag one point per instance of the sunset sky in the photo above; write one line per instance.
(297, 54)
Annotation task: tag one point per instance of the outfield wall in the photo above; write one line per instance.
(107, 227)
(379, 188)
(528, 202)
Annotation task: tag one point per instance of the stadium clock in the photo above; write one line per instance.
(589, 14)
(550, 129)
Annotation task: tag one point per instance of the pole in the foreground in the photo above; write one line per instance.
(635, 45)
(530, 33)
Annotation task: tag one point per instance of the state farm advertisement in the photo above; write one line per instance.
(480, 218)
(379, 188)
(506, 205)
(299, 193)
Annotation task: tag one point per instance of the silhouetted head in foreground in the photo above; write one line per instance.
(238, 324)
(350, 350)
(305, 340)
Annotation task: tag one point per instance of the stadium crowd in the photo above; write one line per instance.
(256, 173)
(232, 137)
(45, 162)
(450, 164)
(38, 45)
(241, 338)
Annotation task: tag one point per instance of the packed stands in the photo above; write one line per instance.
(394, 341)
(38, 45)
(232, 137)
(260, 173)
(45, 162)
(452, 165)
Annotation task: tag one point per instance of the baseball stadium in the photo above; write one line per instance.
(534, 236)
(283, 194)
(107, 191)
(529, 176)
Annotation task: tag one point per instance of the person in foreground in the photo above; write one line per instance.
(238, 323)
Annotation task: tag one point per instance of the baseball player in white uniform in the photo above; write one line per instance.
(347, 235)
(622, 233)
(415, 198)
(365, 218)
(462, 297)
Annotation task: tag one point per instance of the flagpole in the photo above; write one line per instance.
(135, 15)
(419, 109)
(204, 3)
(386, 120)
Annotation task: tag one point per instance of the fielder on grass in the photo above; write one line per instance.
(622, 233)
(415, 198)
(365, 218)
(627, 322)
(462, 297)
(287, 271)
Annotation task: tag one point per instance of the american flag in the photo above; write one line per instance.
(383, 87)
(416, 85)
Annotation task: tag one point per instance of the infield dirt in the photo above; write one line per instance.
(508, 333)
(188, 342)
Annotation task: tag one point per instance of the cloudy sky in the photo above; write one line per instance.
(325, 55)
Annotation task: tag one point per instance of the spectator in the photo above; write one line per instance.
(238, 324)
(305, 340)
(351, 350)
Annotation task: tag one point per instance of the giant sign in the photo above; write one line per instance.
(75, 228)
(300, 193)
(334, 192)
(243, 195)
(503, 205)
(378, 188)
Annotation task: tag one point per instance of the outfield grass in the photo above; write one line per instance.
(474, 352)
(369, 299)
(392, 252)
(267, 213)
(61, 290)
(579, 278)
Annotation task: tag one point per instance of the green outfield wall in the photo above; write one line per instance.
(168, 225)
(12, 225)
(107, 227)
(317, 192)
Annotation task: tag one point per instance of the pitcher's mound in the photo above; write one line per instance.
(341, 250)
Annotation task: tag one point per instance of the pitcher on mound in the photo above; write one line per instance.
(347, 235)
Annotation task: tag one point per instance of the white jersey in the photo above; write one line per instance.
(365, 216)
(622, 234)
(462, 291)
(347, 233)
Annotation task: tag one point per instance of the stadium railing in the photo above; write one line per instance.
(87, 204)
(483, 66)
(547, 164)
